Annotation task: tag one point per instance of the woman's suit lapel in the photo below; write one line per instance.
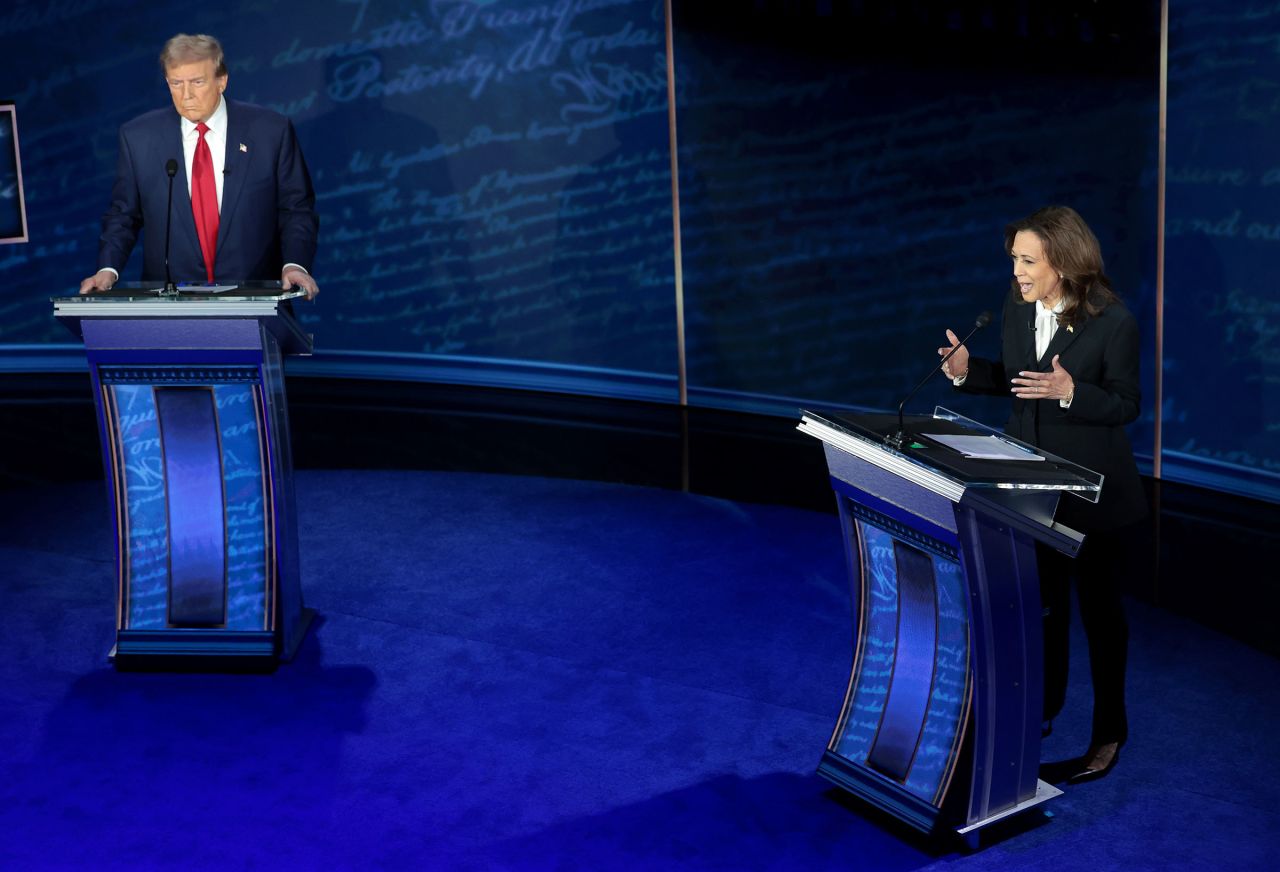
(1026, 333)
(1061, 341)
(1063, 337)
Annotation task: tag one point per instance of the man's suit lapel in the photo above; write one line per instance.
(236, 169)
(184, 220)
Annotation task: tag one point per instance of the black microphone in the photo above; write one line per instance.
(900, 437)
(171, 170)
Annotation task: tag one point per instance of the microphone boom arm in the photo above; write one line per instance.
(900, 438)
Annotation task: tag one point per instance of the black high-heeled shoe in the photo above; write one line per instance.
(1090, 770)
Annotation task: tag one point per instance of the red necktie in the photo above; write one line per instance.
(204, 199)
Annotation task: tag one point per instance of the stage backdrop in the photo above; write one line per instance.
(495, 190)
(493, 177)
(845, 184)
(1222, 303)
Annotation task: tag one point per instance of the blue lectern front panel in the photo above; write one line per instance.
(197, 510)
(145, 529)
(189, 454)
(245, 484)
(904, 717)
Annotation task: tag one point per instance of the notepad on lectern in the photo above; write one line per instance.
(984, 447)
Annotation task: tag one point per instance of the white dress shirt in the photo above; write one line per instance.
(217, 140)
(1046, 325)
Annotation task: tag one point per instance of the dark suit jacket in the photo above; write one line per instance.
(268, 215)
(1101, 354)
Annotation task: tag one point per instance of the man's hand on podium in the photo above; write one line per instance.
(298, 276)
(102, 280)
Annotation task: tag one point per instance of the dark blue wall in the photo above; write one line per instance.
(493, 177)
(1222, 286)
(847, 170)
(495, 188)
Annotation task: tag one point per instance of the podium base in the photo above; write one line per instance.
(179, 650)
(971, 832)
(290, 646)
(895, 801)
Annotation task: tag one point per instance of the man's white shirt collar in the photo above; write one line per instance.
(216, 139)
(217, 121)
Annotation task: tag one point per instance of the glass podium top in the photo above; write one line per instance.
(263, 301)
(187, 292)
(927, 458)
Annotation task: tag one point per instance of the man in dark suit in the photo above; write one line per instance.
(243, 205)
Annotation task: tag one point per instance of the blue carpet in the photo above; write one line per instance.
(523, 673)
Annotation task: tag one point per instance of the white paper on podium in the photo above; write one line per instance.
(985, 447)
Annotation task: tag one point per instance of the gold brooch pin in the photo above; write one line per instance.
(1070, 329)
(244, 148)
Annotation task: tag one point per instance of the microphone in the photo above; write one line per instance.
(171, 170)
(898, 439)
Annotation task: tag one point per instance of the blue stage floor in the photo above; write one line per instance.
(528, 673)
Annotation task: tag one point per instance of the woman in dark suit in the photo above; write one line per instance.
(1069, 356)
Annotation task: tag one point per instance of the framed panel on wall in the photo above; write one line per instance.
(13, 212)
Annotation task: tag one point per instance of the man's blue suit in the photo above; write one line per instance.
(268, 215)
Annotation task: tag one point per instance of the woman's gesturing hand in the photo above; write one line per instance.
(1054, 385)
(958, 365)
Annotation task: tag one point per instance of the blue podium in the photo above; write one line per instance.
(189, 390)
(940, 725)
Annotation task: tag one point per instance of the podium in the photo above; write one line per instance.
(192, 417)
(940, 725)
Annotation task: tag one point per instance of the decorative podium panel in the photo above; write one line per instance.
(941, 721)
(195, 441)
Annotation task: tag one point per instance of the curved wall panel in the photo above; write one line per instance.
(495, 189)
(493, 178)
